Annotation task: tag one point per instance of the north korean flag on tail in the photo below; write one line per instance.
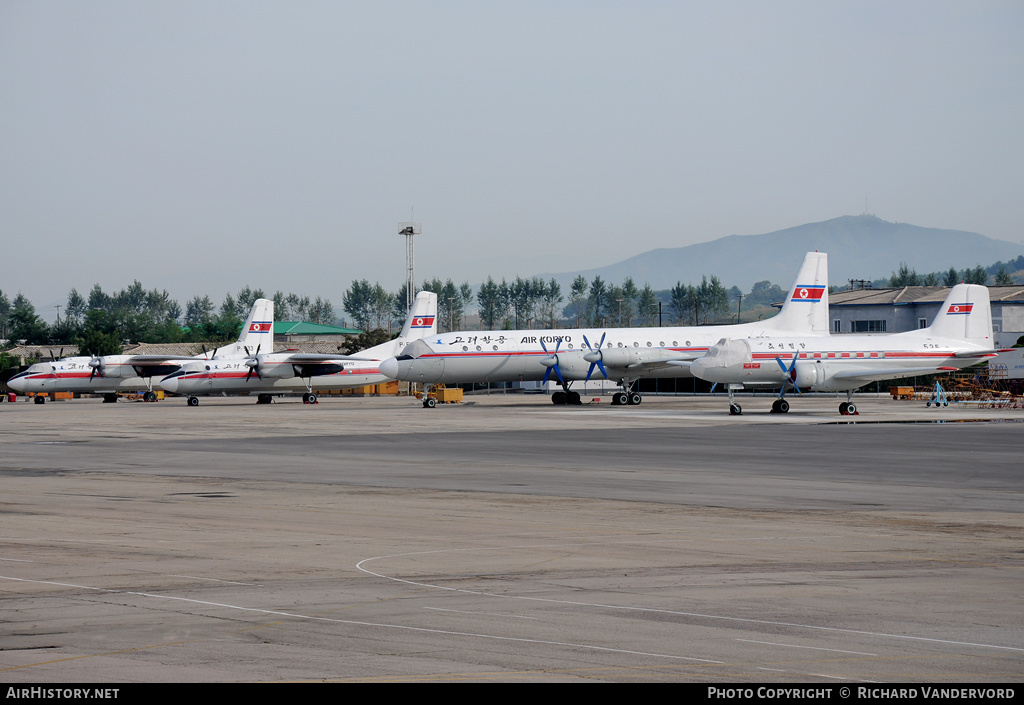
(423, 322)
(260, 326)
(811, 294)
(959, 309)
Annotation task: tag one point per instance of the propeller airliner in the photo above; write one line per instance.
(621, 354)
(960, 336)
(287, 372)
(109, 374)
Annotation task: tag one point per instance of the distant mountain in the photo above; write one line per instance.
(858, 247)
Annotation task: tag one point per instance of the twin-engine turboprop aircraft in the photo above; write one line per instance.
(269, 373)
(110, 374)
(622, 354)
(960, 335)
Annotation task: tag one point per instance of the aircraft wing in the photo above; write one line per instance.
(319, 357)
(877, 374)
(157, 359)
(679, 359)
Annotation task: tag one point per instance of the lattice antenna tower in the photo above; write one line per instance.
(409, 230)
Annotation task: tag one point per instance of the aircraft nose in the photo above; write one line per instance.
(169, 384)
(18, 384)
(699, 368)
(389, 368)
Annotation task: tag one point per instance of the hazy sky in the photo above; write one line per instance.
(201, 146)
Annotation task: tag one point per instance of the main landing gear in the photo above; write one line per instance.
(566, 397)
(309, 398)
(627, 397)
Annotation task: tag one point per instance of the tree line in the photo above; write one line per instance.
(104, 321)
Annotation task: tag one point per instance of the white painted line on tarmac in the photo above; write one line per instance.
(679, 613)
(380, 625)
(212, 580)
(482, 614)
(815, 648)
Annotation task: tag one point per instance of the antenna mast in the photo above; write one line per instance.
(409, 230)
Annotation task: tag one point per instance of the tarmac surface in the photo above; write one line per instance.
(504, 539)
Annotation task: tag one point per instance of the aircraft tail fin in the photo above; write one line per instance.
(257, 331)
(966, 315)
(805, 311)
(422, 320)
(421, 323)
(259, 326)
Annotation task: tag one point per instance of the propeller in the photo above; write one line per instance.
(790, 374)
(595, 357)
(254, 363)
(552, 362)
(97, 365)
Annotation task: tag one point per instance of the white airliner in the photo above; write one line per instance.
(110, 374)
(622, 354)
(288, 372)
(960, 335)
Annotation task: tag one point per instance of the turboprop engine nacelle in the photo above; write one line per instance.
(102, 367)
(807, 375)
(624, 357)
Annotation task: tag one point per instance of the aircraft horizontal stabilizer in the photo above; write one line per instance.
(978, 353)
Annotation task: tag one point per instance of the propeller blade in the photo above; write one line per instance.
(551, 362)
(790, 375)
(595, 357)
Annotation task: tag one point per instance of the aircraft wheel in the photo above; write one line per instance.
(429, 403)
(573, 398)
(851, 409)
(844, 408)
(263, 399)
(558, 398)
(149, 396)
(619, 399)
(634, 399)
(109, 398)
(783, 406)
(193, 401)
(40, 400)
(735, 410)
(312, 399)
